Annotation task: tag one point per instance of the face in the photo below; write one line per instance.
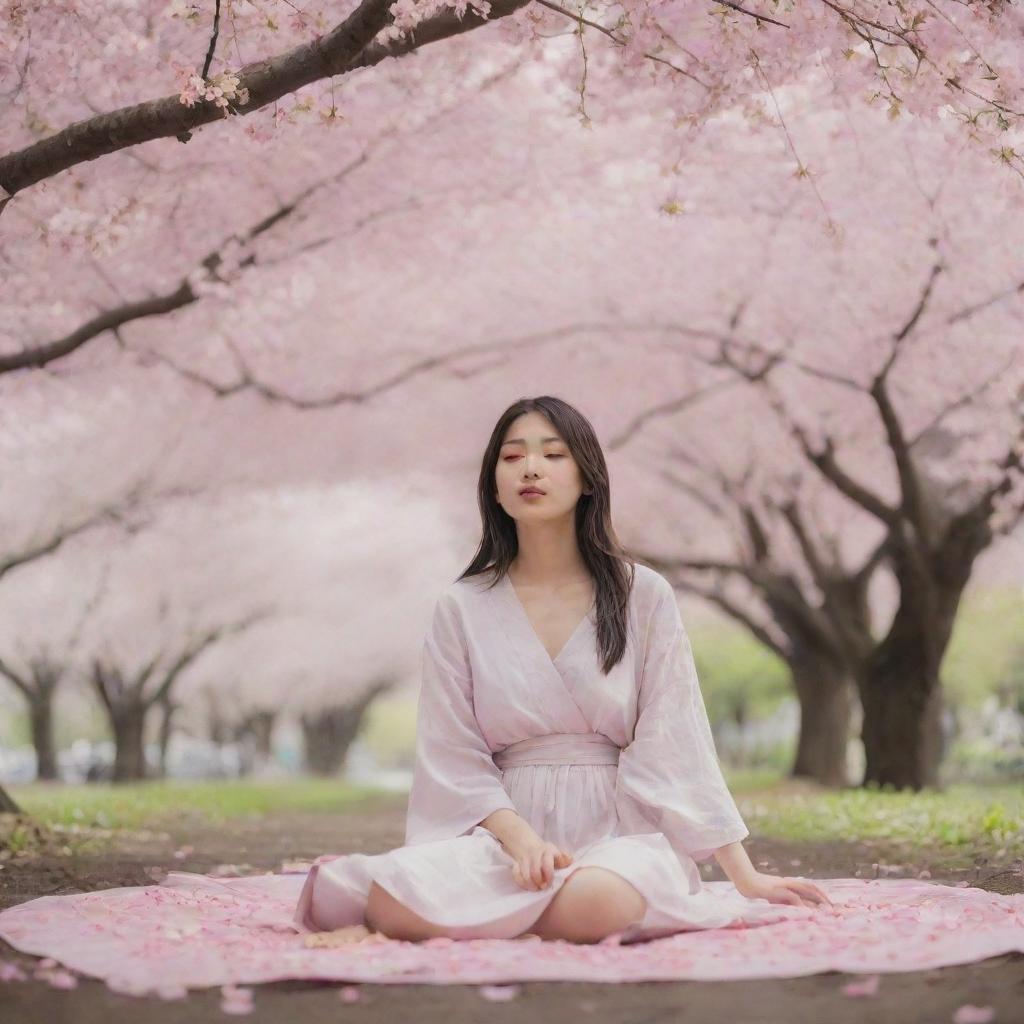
(533, 455)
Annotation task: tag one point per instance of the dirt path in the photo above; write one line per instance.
(261, 844)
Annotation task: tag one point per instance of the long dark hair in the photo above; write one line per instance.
(611, 568)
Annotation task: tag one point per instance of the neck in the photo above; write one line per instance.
(548, 552)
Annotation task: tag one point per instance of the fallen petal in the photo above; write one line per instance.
(970, 1014)
(499, 993)
(867, 987)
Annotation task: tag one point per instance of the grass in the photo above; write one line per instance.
(145, 804)
(960, 824)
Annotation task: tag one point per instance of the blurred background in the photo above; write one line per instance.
(245, 390)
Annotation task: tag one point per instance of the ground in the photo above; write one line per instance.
(263, 842)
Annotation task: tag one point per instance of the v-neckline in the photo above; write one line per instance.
(515, 600)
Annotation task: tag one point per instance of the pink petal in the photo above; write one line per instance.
(499, 993)
(867, 987)
(11, 972)
(62, 979)
(171, 992)
(235, 1000)
(970, 1014)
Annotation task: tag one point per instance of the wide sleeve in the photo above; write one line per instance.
(456, 783)
(669, 779)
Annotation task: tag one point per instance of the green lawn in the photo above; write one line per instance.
(964, 820)
(142, 804)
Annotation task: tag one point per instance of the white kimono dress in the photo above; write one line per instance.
(620, 770)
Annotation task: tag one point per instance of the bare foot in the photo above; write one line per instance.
(341, 936)
(526, 935)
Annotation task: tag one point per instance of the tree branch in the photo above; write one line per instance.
(192, 652)
(910, 486)
(344, 49)
(717, 597)
(15, 678)
(108, 320)
(213, 40)
(715, 594)
(667, 408)
(53, 542)
(184, 294)
(824, 459)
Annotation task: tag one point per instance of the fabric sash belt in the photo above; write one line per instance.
(559, 748)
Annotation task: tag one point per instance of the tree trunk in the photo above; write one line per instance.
(167, 710)
(825, 695)
(261, 726)
(217, 728)
(901, 691)
(7, 804)
(902, 730)
(254, 736)
(129, 743)
(41, 719)
(329, 733)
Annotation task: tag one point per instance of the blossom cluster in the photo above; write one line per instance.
(220, 89)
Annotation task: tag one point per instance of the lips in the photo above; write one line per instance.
(530, 490)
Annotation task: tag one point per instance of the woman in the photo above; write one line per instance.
(566, 779)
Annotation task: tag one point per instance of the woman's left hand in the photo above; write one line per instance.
(797, 891)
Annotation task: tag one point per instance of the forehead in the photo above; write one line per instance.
(529, 427)
(553, 439)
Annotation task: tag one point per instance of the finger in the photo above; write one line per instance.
(537, 870)
(814, 892)
(529, 870)
(549, 867)
(527, 882)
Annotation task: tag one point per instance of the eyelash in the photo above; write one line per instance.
(509, 458)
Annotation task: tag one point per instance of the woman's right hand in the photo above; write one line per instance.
(535, 865)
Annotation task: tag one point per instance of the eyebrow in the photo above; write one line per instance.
(519, 440)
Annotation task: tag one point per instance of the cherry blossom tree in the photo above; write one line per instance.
(289, 201)
(882, 446)
(172, 592)
(964, 58)
(296, 600)
(726, 293)
(41, 616)
(289, 162)
(63, 483)
(355, 591)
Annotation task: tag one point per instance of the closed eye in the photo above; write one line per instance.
(509, 458)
